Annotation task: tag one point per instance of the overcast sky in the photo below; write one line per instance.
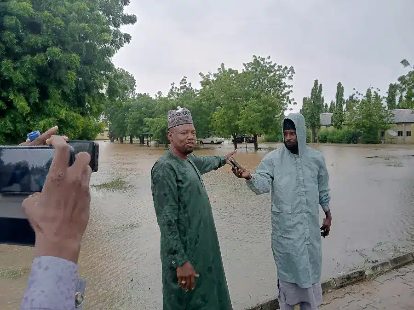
(357, 42)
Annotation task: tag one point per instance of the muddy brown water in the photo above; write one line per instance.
(372, 205)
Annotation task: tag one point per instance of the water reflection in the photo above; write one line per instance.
(372, 203)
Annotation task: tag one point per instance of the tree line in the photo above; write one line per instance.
(229, 102)
(253, 101)
(360, 117)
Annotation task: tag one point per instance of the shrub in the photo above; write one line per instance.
(273, 138)
(344, 135)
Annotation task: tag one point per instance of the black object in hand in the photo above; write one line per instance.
(324, 232)
(235, 164)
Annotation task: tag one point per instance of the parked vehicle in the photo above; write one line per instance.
(239, 139)
(243, 138)
(249, 139)
(211, 140)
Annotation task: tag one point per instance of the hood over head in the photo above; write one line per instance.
(300, 126)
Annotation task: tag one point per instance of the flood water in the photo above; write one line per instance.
(373, 219)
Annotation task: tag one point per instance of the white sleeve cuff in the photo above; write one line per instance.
(52, 284)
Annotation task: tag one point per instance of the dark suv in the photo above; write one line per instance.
(249, 139)
(238, 139)
(243, 138)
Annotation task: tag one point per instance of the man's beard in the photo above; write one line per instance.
(293, 148)
(188, 150)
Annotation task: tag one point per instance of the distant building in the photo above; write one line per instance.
(402, 128)
(326, 120)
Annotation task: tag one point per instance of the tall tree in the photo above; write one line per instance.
(312, 109)
(331, 107)
(406, 87)
(120, 92)
(338, 114)
(55, 60)
(392, 96)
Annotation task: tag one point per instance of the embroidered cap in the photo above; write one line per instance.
(179, 117)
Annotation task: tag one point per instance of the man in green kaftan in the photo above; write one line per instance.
(192, 269)
(296, 176)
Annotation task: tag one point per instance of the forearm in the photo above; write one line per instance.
(206, 164)
(261, 181)
(174, 249)
(171, 241)
(258, 183)
(323, 185)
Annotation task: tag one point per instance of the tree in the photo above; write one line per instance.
(392, 96)
(338, 114)
(120, 94)
(55, 60)
(370, 117)
(403, 90)
(157, 124)
(406, 87)
(223, 90)
(142, 107)
(352, 101)
(201, 110)
(266, 96)
(248, 102)
(312, 109)
(331, 107)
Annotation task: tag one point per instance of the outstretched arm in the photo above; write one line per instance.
(206, 164)
(261, 181)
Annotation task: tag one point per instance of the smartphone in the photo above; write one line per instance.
(23, 171)
(90, 147)
(235, 164)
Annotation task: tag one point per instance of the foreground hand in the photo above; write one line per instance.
(41, 140)
(326, 225)
(60, 213)
(241, 173)
(230, 155)
(186, 276)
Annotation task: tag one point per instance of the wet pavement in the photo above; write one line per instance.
(394, 290)
(372, 206)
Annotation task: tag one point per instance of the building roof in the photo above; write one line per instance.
(402, 116)
(326, 119)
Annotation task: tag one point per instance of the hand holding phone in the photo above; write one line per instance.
(234, 163)
(238, 170)
(60, 213)
(23, 171)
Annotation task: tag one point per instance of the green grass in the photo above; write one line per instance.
(117, 184)
(11, 274)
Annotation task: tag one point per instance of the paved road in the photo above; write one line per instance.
(392, 291)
